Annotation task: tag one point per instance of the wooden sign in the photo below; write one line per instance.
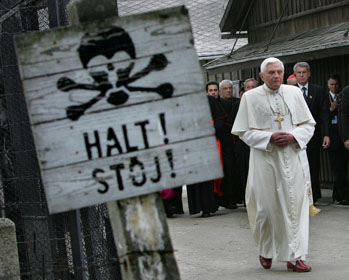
(117, 108)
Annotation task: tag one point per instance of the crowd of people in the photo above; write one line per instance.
(229, 192)
(269, 139)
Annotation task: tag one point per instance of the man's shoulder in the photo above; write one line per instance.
(315, 87)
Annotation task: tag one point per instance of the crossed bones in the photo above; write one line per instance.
(102, 84)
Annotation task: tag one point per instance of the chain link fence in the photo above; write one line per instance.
(73, 245)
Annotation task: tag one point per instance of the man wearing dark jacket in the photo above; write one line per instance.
(201, 196)
(315, 98)
(223, 127)
(339, 156)
(345, 117)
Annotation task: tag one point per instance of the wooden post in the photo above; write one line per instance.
(81, 11)
(142, 238)
(9, 262)
(139, 224)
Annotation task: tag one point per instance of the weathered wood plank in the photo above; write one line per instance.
(47, 103)
(72, 187)
(48, 53)
(120, 130)
(142, 237)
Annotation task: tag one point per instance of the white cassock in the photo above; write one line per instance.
(278, 190)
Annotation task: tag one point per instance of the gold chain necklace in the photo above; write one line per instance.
(280, 116)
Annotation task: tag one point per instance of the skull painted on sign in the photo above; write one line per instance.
(107, 44)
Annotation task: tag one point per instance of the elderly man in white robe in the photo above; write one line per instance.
(274, 120)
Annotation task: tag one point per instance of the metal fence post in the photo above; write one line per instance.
(53, 13)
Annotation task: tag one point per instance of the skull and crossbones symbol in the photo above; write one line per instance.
(107, 44)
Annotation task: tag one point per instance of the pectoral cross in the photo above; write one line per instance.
(279, 119)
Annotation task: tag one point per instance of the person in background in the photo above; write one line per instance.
(250, 83)
(291, 80)
(241, 150)
(241, 91)
(315, 98)
(212, 89)
(345, 117)
(229, 186)
(339, 156)
(226, 89)
(172, 201)
(202, 197)
(275, 121)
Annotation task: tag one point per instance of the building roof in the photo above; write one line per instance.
(205, 16)
(233, 16)
(308, 45)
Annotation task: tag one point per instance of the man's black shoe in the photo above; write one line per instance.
(205, 214)
(344, 202)
(231, 206)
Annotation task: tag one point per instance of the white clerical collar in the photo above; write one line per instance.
(269, 90)
(306, 86)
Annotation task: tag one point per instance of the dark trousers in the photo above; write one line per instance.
(177, 200)
(201, 198)
(339, 164)
(314, 165)
(229, 187)
(242, 155)
(174, 205)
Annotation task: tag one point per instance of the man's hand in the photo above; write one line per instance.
(346, 144)
(282, 138)
(326, 142)
(334, 105)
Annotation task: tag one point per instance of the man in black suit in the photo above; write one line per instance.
(339, 156)
(202, 196)
(345, 117)
(315, 97)
(229, 185)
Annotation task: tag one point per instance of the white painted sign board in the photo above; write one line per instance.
(117, 108)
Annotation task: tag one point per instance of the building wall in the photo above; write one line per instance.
(321, 69)
(300, 15)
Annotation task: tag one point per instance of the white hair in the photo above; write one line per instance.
(271, 60)
(301, 64)
(223, 82)
(250, 80)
